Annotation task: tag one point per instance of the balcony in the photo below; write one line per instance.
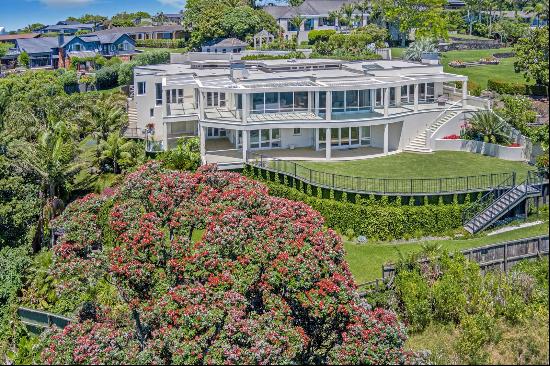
(180, 109)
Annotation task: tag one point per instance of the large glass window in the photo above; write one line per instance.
(422, 92)
(287, 101)
(338, 101)
(322, 103)
(392, 96)
(354, 135)
(365, 135)
(379, 100)
(364, 100)
(404, 94)
(265, 138)
(335, 137)
(322, 138)
(258, 103)
(344, 136)
(300, 101)
(430, 92)
(271, 102)
(352, 100)
(308, 24)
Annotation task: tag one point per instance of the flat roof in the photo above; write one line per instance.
(298, 74)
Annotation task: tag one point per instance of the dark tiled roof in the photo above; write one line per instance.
(144, 29)
(38, 45)
(13, 37)
(56, 27)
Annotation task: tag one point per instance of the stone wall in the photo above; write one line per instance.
(470, 45)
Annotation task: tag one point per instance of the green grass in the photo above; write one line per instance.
(480, 74)
(366, 260)
(437, 165)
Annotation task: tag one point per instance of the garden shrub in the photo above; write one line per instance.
(152, 58)
(320, 35)
(504, 87)
(107, 78)
(475, 334)
(266, 283)
(415, 298)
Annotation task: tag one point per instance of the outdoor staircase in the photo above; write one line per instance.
(420, 143)
(131, 131)
(502, 205)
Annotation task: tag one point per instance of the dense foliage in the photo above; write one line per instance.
(264, 282)
(360, 43)
(452, 291)
(532, 56)
(375, 219)
(209, 20)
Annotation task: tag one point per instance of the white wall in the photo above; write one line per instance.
(394, 135)
(479, 147)
(305, 139)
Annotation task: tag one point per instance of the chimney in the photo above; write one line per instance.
(237, 70)
(61, 39)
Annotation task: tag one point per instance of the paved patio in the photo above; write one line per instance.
(222, 151)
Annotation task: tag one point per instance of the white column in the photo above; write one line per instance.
(373, 98)
(202, 135)
(329, 106)
(201, 105)
(386, 138)
(316, 103)
(398, 96)
(245, 145)
(310, 101)
(416, 97)
(316, 133)
(464, 93)
(244, 112)
(386, 102)
(328, 150)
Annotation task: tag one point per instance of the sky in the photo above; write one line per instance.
(16, 14)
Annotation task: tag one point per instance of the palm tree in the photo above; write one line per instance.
(347, 12)
(363, 7)
(492, 128)
(116, 150)
(53, 159)
(417, 48)
(297, 22)
(107, 116)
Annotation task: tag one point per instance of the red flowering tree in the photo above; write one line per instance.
(209, 268)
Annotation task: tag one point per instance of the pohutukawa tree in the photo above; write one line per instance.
(206, 267)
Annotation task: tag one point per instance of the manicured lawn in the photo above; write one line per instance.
(366, 260)
(437, 165)
(480, 74)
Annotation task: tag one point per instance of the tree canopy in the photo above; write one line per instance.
(212, 19)
(206, 267)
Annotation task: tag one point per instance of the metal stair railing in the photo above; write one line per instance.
(532, 186)
(480, 205)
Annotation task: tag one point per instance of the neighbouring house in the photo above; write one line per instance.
(55, 52)
(226, 45)
(298, 109)
(10, 38)
(147, 32)
(69, 27)
(454, 4)
(316, 14)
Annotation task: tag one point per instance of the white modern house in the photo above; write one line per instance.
(297, 109)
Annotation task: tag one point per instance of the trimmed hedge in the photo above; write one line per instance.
(375, 220)
(161, 43)
(504, 87)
